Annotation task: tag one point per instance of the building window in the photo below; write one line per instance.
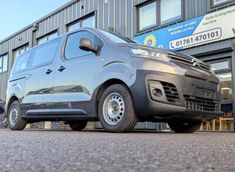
(74, 26)
(89, 22)
(84, 22)
(3, 63)
(218, 66)
(47, 37)
(171, 10)
(226, 85)
(219, 2)
(17, 52)
(222, 70)
(159, 13)
(147, 16)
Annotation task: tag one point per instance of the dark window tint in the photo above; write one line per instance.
(21, 63)
(44, 53)
(72, 49)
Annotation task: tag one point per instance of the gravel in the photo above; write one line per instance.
(55, 151)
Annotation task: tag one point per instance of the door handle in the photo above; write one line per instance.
(48, 71)
(61, 68)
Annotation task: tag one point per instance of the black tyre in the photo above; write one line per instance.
(4, 121)
(116, 109)
(184, 126)
(15, 120)
(78, 125)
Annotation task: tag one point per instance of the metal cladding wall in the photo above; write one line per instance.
(114, 15)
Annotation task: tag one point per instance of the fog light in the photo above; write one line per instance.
(157, 92)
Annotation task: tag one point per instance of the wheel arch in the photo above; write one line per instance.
(11, 100)
(105, 85)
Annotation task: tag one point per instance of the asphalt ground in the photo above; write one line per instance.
(55, 151)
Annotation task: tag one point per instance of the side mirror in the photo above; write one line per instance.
(86, 45)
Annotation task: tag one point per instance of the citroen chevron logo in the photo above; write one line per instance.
(196, 63)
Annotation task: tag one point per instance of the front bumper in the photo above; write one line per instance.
(186, 96)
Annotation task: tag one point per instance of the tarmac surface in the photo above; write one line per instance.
(55, 151)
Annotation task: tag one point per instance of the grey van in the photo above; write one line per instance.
(94, 75)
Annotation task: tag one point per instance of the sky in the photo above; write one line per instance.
(17, 14)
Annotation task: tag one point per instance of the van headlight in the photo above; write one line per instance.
(149, 54)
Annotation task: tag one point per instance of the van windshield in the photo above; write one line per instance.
(116, 38)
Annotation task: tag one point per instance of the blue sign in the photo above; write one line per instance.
(162, 37)
(212, 27)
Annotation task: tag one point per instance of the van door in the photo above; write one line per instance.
(40, 77)
(76, 72)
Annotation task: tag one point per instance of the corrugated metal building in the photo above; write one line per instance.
(183, 25)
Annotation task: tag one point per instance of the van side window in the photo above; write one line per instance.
(45, 53)
(21, 63)
(72, 49)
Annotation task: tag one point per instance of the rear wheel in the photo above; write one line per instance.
(15, 120)
(78, 125)
(116, 109)
(4, 121)
(184, 126)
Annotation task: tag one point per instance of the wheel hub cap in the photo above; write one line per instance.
(113, 108)
(13, 115)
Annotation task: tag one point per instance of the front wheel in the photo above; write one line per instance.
(116, 109)
(78, 125)
(184, 126)
(15, 120)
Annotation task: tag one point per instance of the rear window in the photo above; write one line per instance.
(21, 63)
(45, 53)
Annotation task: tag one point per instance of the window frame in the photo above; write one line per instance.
(139, 6)
(92, 15)
(173, 20)
(213, 5)
(66, 40)
(24, 47)
(229, 100)
(6, 55)
(72, 24)
(47, 36)
(158, 14)
(80, 21)
(229, 70)
(226, 59)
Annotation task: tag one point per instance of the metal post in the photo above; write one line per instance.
(233, 81)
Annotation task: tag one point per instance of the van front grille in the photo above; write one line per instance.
(190, 62)
(171, 92)
(203, 104)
